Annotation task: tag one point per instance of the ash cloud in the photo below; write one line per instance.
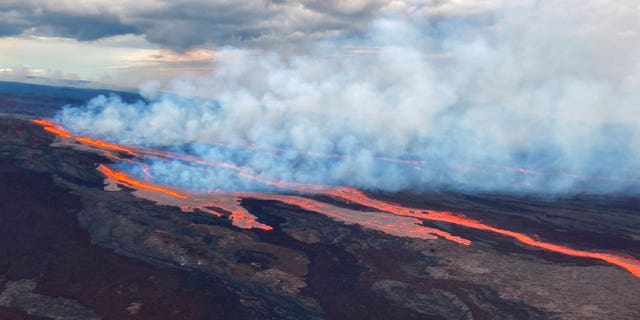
(541, 97)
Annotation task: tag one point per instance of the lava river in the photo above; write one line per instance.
(384, 216)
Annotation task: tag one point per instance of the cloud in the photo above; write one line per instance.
(34, 16)
(185, 24)
(541, 99)
(83, 27)
(24, 73)
(15, 73)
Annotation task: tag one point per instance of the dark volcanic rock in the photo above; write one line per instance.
(42, 241)
(68, 248)
(20, 295)
(434, 303)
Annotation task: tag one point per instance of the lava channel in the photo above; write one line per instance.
(403, 221)
(352, 195)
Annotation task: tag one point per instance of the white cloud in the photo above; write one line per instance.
(549, 86)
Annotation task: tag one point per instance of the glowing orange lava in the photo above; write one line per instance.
(239, 216)
(398, 226)
(397, 219)
(53, 128)
(121, 177)
(630, 264)
(105, 145)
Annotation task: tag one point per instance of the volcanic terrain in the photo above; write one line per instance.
(82, 240)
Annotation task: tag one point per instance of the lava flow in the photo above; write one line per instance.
(53, 128)
(123, 178)
(390, 224)
(239, 216)
(231, 202)
(349, 194)
(387, 217)
(105, 145)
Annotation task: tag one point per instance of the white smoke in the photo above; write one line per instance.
(547, 86)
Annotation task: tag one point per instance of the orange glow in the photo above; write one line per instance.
(121, 177)
(389, 224)
(239, 216)
(526, 171)
(402, 221)
(43, 122)
(630, 264)
(52, 128)
(245, 172)
(243, 219)
(105, 145)
(61, 132)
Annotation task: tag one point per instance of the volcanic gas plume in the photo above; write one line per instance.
(523, 100)
(390, 218)
(518, 101)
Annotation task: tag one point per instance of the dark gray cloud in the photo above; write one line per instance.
(19, 17)
(184, 24)
(84, 27)
(531, 104)
(550, 87)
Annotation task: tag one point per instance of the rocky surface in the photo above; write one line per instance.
(69, 248)
(20, 295)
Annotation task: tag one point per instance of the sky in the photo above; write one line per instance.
(469, 87)
(544, 85)
(126, 43)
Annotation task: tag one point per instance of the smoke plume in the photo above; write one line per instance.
(538, 97)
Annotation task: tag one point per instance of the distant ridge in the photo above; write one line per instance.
(45, 100)
(83, 84)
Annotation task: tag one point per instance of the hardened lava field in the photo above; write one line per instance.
(71, 249)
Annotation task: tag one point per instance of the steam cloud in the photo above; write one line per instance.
(551, 87)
